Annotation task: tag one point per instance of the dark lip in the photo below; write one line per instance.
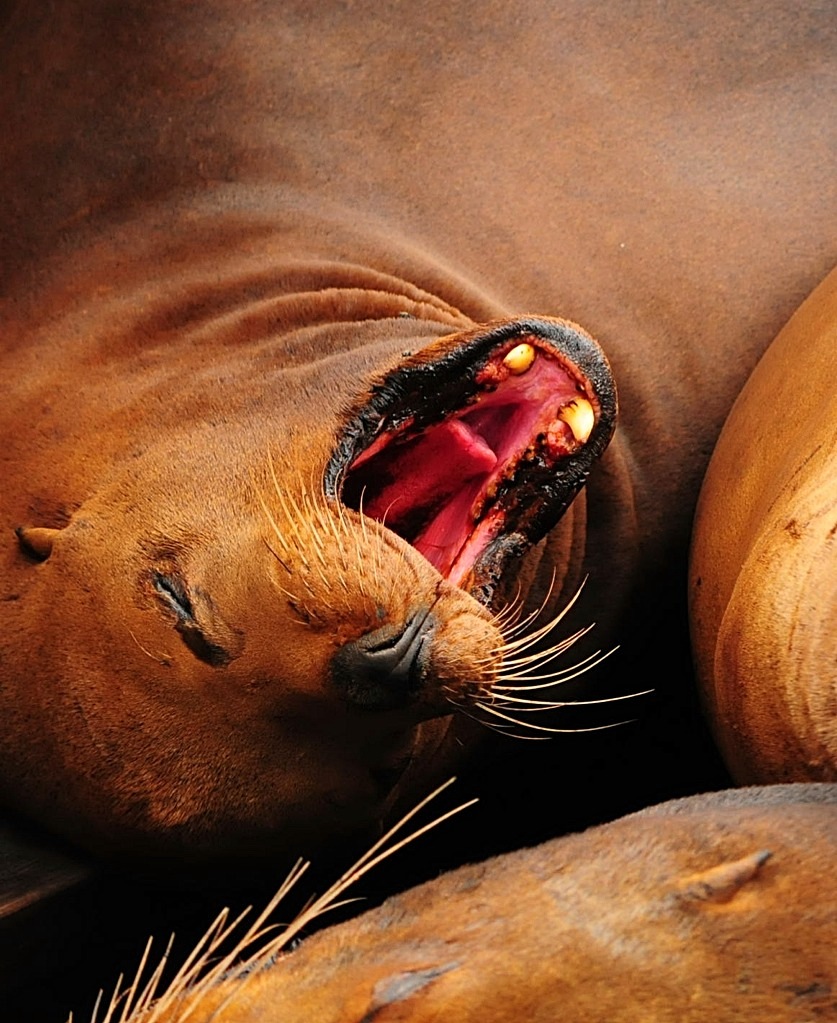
(439, 380)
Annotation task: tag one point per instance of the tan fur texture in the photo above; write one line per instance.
(221, 224)
(764, 561)
(719, 907)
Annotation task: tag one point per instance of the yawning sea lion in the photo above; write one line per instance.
(247, 254)
(259, 257)
(262, 636)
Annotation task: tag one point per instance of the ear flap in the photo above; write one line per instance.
(720, 884)
(37, 540)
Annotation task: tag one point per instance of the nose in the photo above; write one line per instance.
(385, 669)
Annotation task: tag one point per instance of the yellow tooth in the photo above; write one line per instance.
(520, 358)
(579, 416)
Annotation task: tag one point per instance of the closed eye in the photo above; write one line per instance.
(173, 593)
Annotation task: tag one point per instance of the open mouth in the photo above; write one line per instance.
(472, 449)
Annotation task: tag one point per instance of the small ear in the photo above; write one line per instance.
(37, 540)
(721, 883)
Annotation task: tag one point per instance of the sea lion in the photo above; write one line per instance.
(716, 907)
(763, 569)
(224, 227)
(195, 193)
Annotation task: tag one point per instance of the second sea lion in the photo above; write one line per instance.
(764, 560)
(716, 907)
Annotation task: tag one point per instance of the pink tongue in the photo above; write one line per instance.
(429, 472)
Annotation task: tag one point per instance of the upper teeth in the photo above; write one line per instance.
(520, 358)
(579, 416)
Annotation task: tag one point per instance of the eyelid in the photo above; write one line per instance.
(174, 593)
(172, 590)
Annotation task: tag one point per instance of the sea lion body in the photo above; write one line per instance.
(716, 907)
(224, 224)
(763, 569)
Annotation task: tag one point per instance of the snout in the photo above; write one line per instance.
(386, 669)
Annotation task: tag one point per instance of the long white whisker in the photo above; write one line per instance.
(507, 703)
(187, 991)
(565, 675)
(544, 728)
(502, 729)
(556, 675)
(537, 705)
(531, 639)
(520, 625)
(542, 657)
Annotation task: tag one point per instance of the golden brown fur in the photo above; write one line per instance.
(720, 907)
(217, 213)
(222, 224)
(763, 560)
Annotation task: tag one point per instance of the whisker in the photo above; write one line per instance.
(193, 980)
(362, 539)
(524, 674)
(537, 705)
(521, 624)
(505, 704)
(533, 615)
(99, 998)
(114, 999)
(504, 729)
(541, 657)
(461, 708)
(278, 557)
(507, 618)
(160, 660)
(531, 638)
(275, 527)
(370, 859)
(133, 989)
(553, 622)
(151, 988)
(545, 728)
(565, 675)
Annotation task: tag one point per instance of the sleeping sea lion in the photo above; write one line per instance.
(264, 638)
(250, 252)
(716, 907)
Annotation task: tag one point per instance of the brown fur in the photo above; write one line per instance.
(720, 907)
(215, 214)
(215, 218)
(763, 561)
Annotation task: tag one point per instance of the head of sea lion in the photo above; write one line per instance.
(255, 624)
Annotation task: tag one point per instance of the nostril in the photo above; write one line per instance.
(385, 669)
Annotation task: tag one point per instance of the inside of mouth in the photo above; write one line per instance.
(441, 487)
